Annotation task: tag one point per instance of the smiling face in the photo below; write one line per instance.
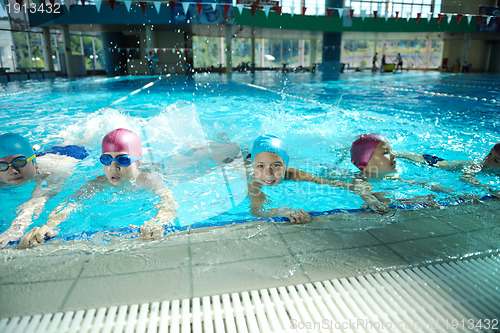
(118, 175)
(17, 176)
(492, 160)
(269, 169)
(383, 160)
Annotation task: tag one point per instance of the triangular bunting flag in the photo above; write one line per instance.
(240, 7)
(172, 6)
(386, 15)
(439, 18)
(479, 19)
(408, 16)
(279, 10)
(351, 12)
(449, 16)
(20, 2)
(418, 16)
(111, 4)
(341, 12)
(252, 9)
(185, 7)
(143, 6)
(164, 49)
(199, 6)
(157, 5)
(329, 12)
(83, 3)
(127, 3)
(304, 11)
(98, 5)
(214, 6)
(292, 11)
(317, 11)
(374, 15)
(488, 19)
(397, 15)
(469, 18)
(226, 9)
(51, 2)
(363, 14)
(459, 18)
(267, 8)
(66, 3)
(429, 17)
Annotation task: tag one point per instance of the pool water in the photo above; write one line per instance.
(188, 123)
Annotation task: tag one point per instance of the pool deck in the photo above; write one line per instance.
(74, 275)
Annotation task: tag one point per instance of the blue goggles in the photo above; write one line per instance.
(18, 162)
(123, 160)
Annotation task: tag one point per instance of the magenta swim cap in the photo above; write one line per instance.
(363, 147)
(122, 140)
(497, 148)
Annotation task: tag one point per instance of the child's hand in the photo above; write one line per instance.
(37, 236)
(9, 236)
(151, 230)
(299, 216)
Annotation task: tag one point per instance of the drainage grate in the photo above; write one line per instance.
(461, 296)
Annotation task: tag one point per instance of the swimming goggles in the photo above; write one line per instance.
(122, 160)
(18, 162)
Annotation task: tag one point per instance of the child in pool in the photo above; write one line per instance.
(270, 160)
(372, 154)
(469, 168)
(121, 158)
(19, 164)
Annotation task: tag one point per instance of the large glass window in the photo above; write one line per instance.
(404, 8)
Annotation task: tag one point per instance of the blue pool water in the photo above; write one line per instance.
(186, 122)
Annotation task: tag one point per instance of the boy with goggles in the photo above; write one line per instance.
(121, 158)
(18, 165)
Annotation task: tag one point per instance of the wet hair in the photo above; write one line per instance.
(122, 140)
(497, 148)
(363, 147)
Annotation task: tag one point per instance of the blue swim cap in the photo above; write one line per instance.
(15, 144)
(270, 143)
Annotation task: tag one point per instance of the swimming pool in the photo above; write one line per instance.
(185, 122)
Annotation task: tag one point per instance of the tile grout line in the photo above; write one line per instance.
(75, 281)
(293, 254)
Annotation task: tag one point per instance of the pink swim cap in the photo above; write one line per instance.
(122, 140)
(363, 147)
(497, 148)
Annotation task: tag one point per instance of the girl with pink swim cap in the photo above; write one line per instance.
(121, 158)
(372, 154)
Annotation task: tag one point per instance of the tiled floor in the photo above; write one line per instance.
(72, 276)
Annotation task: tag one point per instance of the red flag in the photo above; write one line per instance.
(253, 8)
(143, 6)
(459, 18)
(112, 4)
(304, 11)
(374, 15)
(397, 14)
(439, 18)
(52, 3)
(83, 3)
(172, 6)
(20, 2)
(351, 12)
(418, 16)
(279, 10)
(226, 9)
(329, 12)
(200, 7)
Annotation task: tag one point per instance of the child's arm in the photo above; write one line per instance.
(257, 200)
(360, 188)
(432, 187)
(38, 235)
(167, 206)
(469, 176)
